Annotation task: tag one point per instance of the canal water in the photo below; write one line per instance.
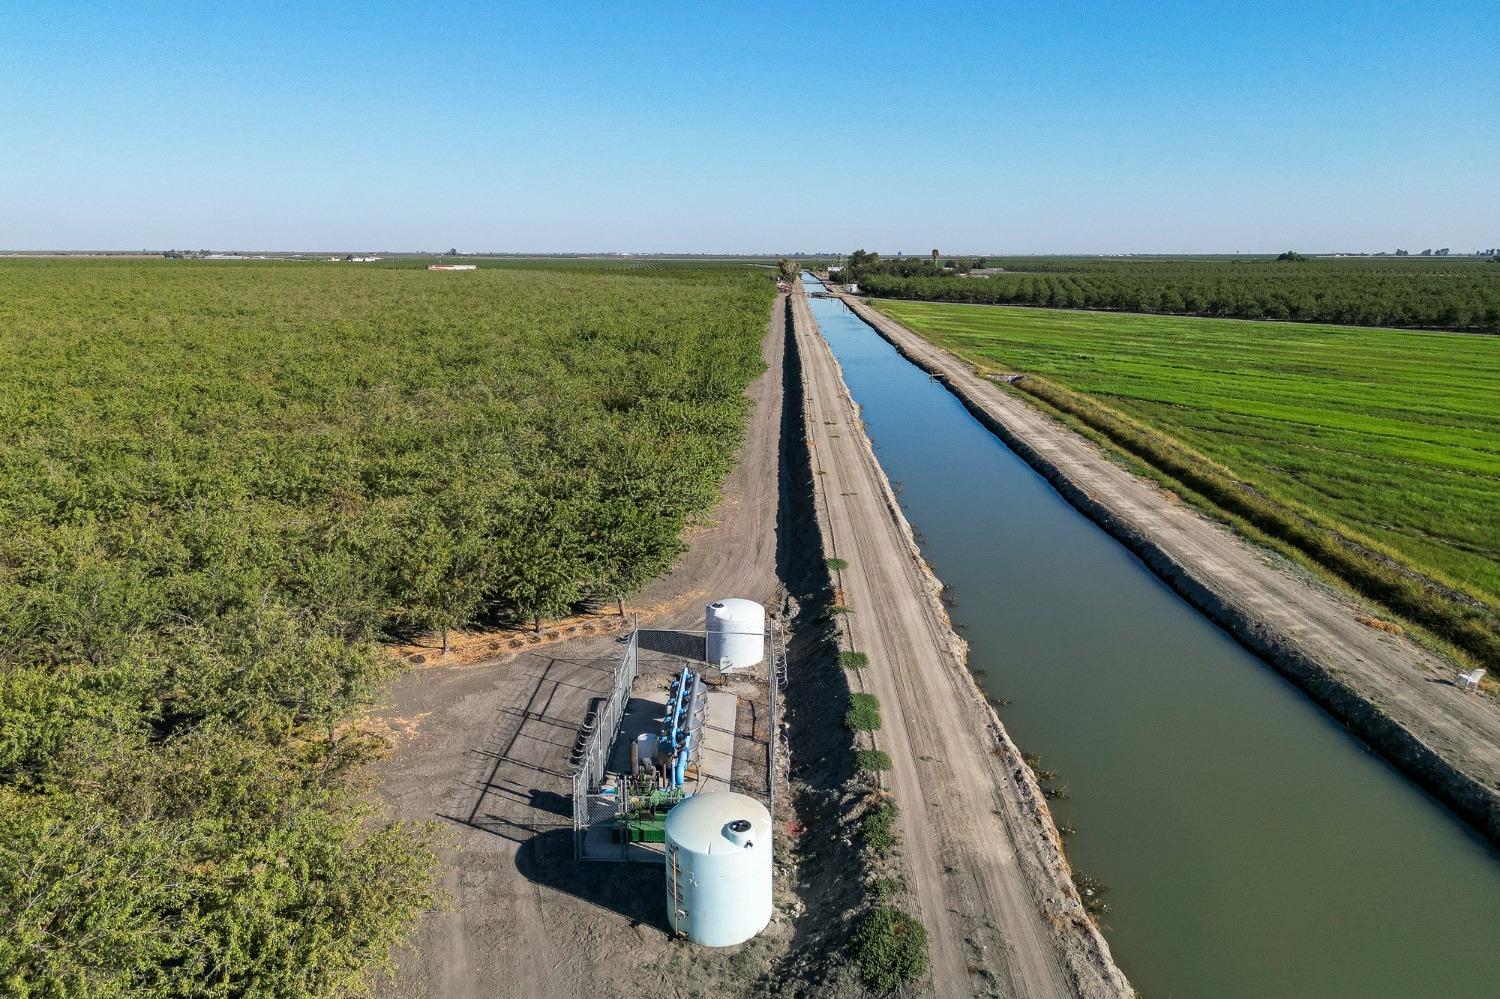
(1252, 847)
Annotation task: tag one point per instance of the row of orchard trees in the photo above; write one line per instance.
(224, 486)
(1448, 293)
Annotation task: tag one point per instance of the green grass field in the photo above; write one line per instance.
(1387, 436)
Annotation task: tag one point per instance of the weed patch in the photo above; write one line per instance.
(890, 948)
(878, 827)
(863, 714)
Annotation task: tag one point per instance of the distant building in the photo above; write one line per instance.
(452, 267)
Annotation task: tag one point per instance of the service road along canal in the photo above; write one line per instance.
(1252, 847)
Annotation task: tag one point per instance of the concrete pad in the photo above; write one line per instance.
(716, 758)
(642, 716)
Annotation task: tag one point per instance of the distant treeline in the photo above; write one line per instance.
(222, 488)
(1437, 292)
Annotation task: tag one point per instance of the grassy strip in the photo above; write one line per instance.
(872, 760)
(890, 948)
(853, 660)
(863, 714)
(1465, 627)
(878, 827)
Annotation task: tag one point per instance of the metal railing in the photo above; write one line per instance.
(595, 757)
(776, 680)
(593, 809)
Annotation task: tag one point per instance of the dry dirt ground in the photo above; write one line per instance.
(1384, 686)
(483, 748)
(985, 871)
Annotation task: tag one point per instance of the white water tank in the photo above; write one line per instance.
(736, 633)
(719, 868)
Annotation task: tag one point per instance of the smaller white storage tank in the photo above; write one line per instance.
(736, 633)
(719, 868)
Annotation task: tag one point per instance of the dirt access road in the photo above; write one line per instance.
(985, 869)
(1386, 688)
(486, 754)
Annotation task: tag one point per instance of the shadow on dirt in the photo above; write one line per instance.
(636, 891)
(829, 867)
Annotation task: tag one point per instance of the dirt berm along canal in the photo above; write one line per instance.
(1386, 688)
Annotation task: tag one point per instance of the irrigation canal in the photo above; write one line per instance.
(1252, 847)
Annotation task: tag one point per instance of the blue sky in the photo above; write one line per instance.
(1193, 127)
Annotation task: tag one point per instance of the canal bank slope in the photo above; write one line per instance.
(1385, 688)
(988, 875)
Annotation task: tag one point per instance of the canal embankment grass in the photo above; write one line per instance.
(1394, 694)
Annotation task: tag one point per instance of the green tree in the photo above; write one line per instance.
(448, 564)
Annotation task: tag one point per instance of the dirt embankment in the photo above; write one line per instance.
(987, 875)
(1384, 687)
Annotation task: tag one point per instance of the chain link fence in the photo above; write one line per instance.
(598, 810)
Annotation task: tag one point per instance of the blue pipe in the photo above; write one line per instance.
(674, 710)
(673, 734)
(677, 734)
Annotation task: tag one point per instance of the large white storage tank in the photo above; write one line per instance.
(719, 868)
(736, 633)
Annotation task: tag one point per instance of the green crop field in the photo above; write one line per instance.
(222, 487)
(1387, 437)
